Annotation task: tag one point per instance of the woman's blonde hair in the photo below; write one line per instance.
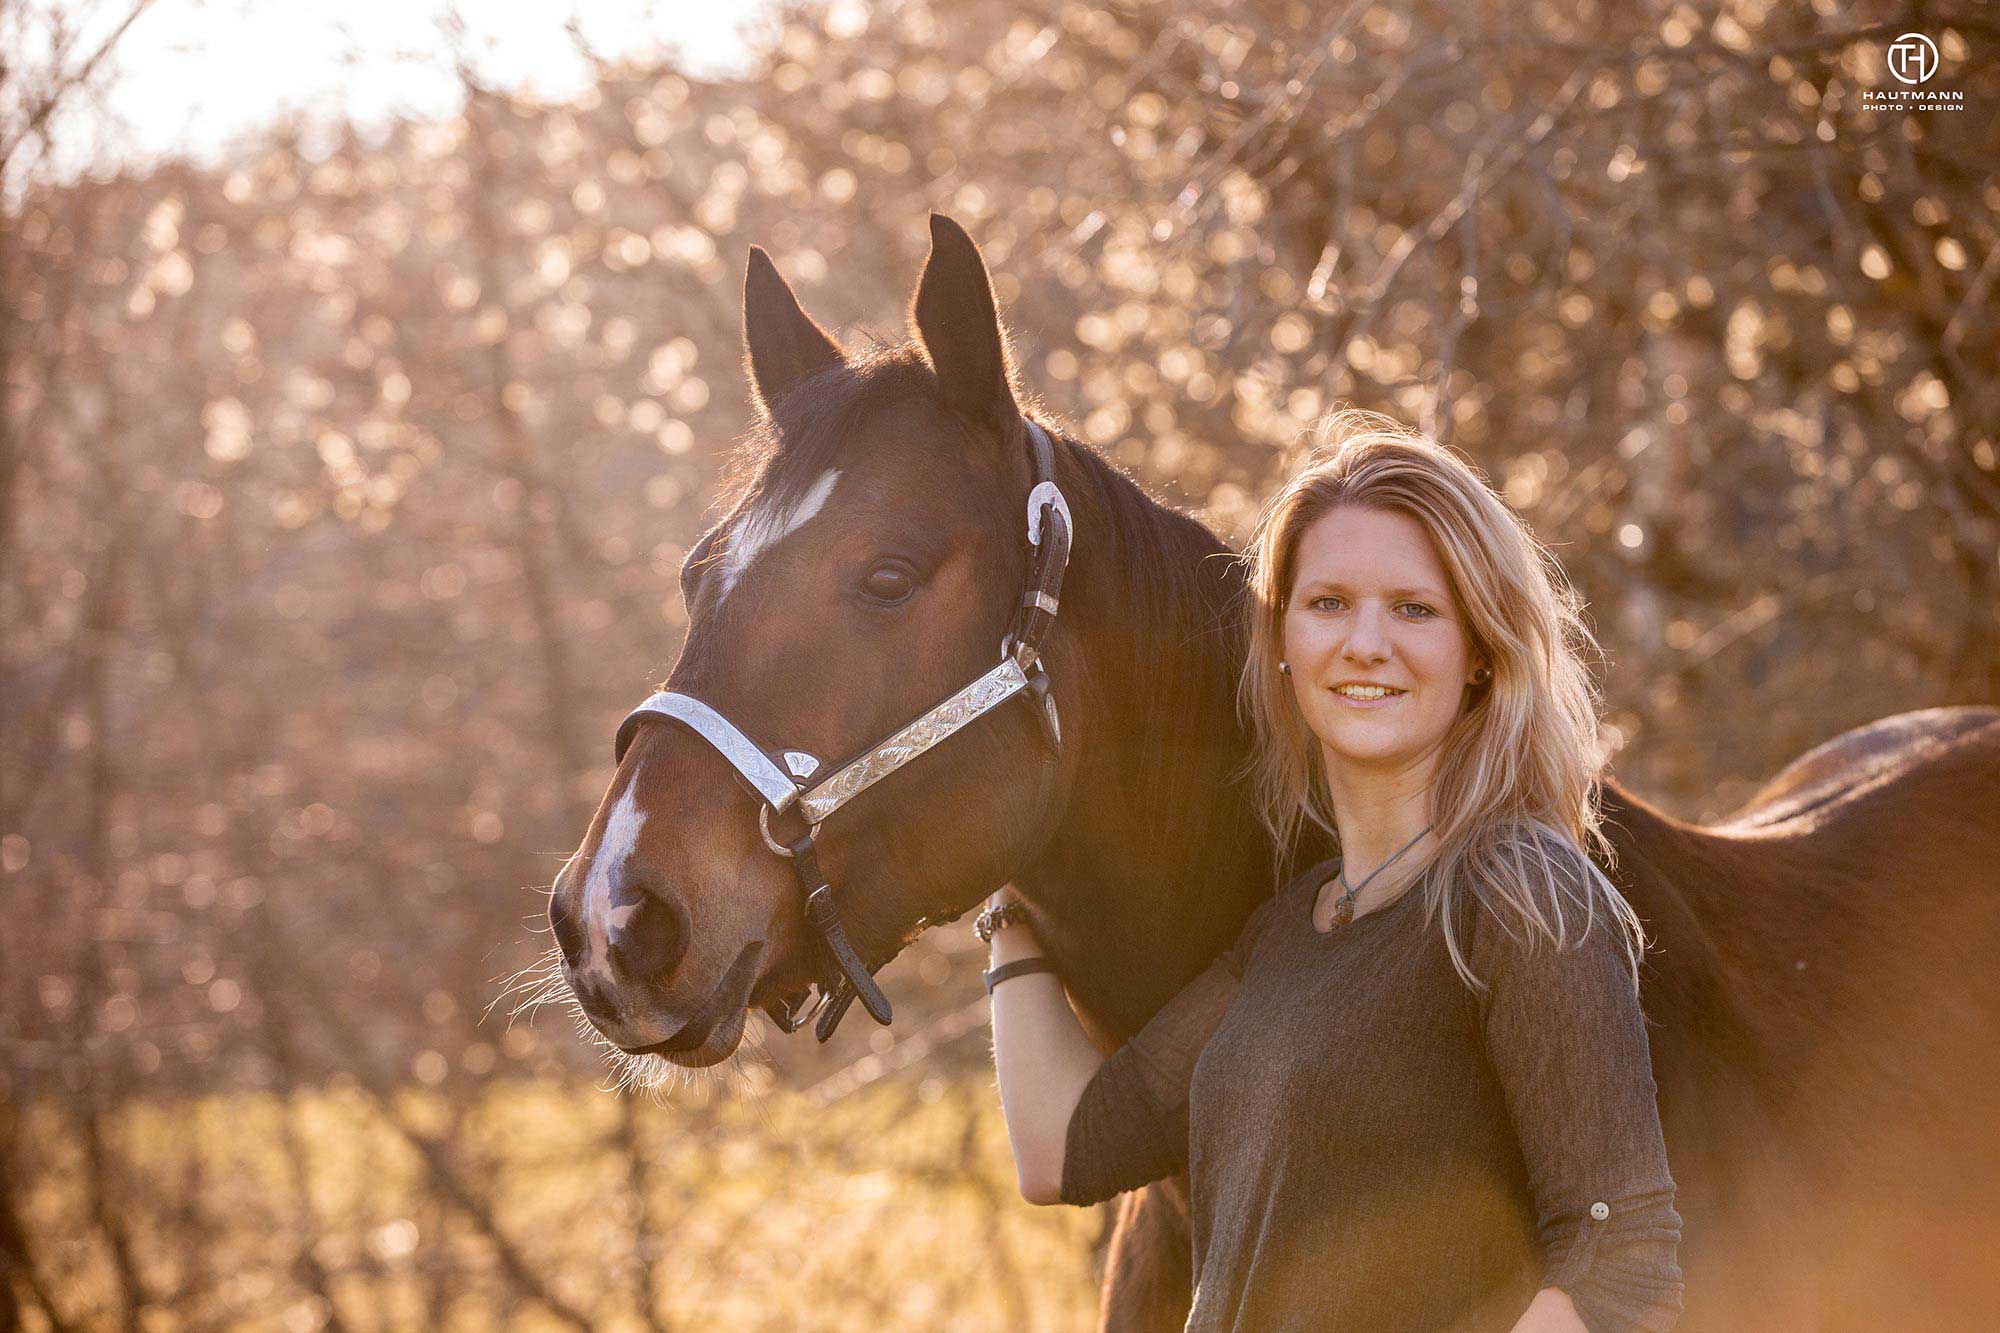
(1514, 798)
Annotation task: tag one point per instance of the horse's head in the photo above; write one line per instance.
(869, 569)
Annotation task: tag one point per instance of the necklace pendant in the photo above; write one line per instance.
(1343, 912)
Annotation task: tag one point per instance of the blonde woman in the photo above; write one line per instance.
(1416, 1092)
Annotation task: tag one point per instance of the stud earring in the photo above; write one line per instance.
(1481, 675)
(1285, 668)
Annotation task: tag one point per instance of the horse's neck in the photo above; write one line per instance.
(1646, 841)
(1680, 879)
(1158, 857)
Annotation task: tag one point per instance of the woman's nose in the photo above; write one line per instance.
(1365, 638)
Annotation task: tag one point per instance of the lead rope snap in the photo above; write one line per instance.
(823, 914)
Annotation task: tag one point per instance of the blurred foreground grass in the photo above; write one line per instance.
(892, 1207)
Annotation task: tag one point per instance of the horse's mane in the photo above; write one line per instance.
(1169, 663)
(1176, 582)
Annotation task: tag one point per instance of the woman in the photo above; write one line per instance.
(1415, 1093)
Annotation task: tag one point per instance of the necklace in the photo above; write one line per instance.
(1343, 906)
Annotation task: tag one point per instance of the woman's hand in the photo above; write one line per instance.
(1550, 1312)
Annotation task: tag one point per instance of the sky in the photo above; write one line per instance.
(193, 76)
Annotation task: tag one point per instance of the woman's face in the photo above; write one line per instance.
(1379, 651)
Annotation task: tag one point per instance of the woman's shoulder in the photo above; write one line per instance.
(1538, 837)
(1531, 885)
(1535, 852)
(1268, 909)
(1314, 874)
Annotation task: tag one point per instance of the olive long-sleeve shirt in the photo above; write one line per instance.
(1374, 1145)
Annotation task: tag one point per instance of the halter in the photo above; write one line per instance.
(780, 782)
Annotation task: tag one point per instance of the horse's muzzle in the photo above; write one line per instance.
(728, 1000)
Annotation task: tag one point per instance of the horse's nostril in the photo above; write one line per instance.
(569, 935)
(651, 940)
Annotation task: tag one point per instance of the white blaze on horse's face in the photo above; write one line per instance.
(600, 915)
(762, 529)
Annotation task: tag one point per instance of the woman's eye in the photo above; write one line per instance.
(888, 584)
(1324, 604)
(1418, 611)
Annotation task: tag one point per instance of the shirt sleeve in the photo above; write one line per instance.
(1565, 1035)
(1130, 1126)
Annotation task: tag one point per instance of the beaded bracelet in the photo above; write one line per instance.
(998, 917)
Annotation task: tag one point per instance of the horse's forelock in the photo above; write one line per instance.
(786, 452)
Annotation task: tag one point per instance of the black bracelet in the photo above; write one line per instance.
(1020, 967)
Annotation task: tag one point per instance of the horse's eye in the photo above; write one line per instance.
(889, 583)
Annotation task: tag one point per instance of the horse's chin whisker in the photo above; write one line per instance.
(659, 1077)
(551, 993)
(635, 1073)
(533, 973)
(530, 987)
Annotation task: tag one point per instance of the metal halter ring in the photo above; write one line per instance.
(764, 827)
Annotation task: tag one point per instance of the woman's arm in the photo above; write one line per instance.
(1043, 1059)
(1565, 1035)
(1086, 1128)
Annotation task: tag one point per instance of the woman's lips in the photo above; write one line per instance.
(1365, 705)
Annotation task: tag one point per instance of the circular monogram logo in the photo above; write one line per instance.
(1913, 57)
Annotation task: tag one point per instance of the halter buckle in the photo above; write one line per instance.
(1046, 493)
(764, 827)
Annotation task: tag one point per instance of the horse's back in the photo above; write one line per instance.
(1852, 912)
(1845, 1159)
(1864, 758)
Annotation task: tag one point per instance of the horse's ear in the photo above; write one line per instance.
(783, 342)
(959, 328)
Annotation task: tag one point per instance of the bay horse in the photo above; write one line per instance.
(1824, 991)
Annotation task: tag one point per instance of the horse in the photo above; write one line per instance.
(1824, 1003)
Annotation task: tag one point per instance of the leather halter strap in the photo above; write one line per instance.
(752, 764)
(780, 790)
(782, 787)
(914, 738)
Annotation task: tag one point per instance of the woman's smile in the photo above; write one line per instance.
(1367, 696)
